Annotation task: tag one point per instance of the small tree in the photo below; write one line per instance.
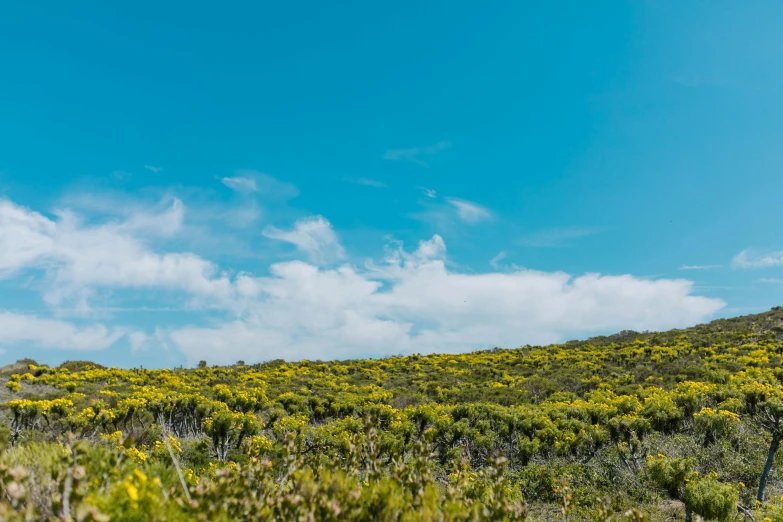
(671, 475)
(765, 403)
(228, 429)
(705, 496)
(710, 498)
(712, 424)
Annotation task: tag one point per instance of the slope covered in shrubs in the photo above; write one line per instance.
(651, 425)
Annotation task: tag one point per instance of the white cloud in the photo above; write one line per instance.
(248, 181)
(434, 248)
(412, 303)
(240, 184)
(770, 280)
(25, 237)
(153, 169)
(312, 235)
(407, 302)
(428, 192)
(242, 216)
(165, 221)
(51, 333)
(79, 258)
(495, 261)
(468, 211)
(138, 341)
(753, 259)
(271, 187)
(367, 182)
(699, 267)
(556, 237)
(162, 218)
(371, 182)
(447, 217)
(414, 154)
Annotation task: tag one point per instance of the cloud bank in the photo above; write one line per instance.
(407, 300)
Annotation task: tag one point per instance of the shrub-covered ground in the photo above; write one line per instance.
(659, 426)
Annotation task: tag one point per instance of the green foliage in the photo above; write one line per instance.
(646, 420)
(77, 366)
(671, 475)
(711, 499)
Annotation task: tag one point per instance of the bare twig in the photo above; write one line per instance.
(746, 511)
(174, 460)
(67, 487)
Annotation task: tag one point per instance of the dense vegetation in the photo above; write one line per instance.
(657, 426)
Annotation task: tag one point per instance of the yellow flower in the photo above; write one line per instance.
(133, 493)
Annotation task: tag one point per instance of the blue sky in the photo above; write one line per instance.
(303, 180)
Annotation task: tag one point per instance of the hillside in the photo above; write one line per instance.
(654, 424)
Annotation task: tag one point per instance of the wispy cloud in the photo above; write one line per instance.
(430, 193)
(415, 154)
(770, 280)
(753, 259)
(153, 169)
(368, 182)
(495, 261)
(243, 215)
(248, 181)
(240, 183)
(468, 211)
(699, 267)
(448, 216)
(557, 237)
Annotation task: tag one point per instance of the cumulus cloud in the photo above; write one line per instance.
(25, 237)
(78, 258)
(52, 333)
(411, 303)
(753, 259)
(468, 211)
(153, 169)
(312, 235)
(405, 302)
